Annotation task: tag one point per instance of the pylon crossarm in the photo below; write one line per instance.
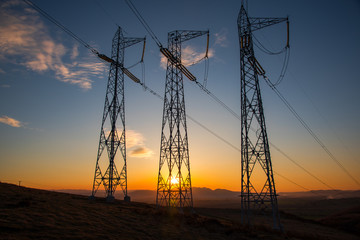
(259, 23)
(185, 35)
(132, 41)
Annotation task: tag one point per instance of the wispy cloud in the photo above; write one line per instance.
(163, 61)
(141, 152)
(221, 38)
(11, 121)
(25, 40)
(135, 143)
(75, 52)
(5, 86)
(134, 139)
(189, 56)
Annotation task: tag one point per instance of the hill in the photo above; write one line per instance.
(348, 220)
(27, 213)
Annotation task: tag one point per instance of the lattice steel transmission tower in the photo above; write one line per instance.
(174, 179)
(258, 190)
(112, 133)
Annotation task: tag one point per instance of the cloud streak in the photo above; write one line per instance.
(221, 38)
(135, 143)
(141, 152)
(11, 121)
(25, 40)
(190, 56)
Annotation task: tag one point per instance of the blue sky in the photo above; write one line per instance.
(52, 90)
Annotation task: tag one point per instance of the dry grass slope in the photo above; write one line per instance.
(27, 213)
(348, 220)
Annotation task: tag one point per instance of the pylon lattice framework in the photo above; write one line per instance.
(112, 133)
(174, 179)
(255, 152)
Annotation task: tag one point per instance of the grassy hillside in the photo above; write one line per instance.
(27, 213)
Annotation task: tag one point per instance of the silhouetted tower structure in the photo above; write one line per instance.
(174, 179)
(112, 133)
(258, 190)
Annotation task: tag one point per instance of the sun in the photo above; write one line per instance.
(174, 180)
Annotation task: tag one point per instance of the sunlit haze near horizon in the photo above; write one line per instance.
(52, 91)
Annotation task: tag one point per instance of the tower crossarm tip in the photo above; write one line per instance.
(259, 23)
(131, 41)
(185, 35)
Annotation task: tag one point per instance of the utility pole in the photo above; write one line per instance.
(255, 153)
(174, 179)
(112, 133)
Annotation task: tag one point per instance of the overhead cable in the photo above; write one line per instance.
(285, 64)
(106, 12)
(51, 19)
(73, 35)
(143, 22)
(298, 165)
(265, 50)
(308, 129)
(202, 87)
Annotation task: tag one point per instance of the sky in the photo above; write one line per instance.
(52, 91)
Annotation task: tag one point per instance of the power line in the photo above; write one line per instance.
(106, 13)
(324, 119)
(264, 49)
(143, 22)
(213, 133)
(51, 19)
(213, 96)
(298, 165)
(292, 110)
(308, 129)
(93, 50)
(285, 65)
(287, 179)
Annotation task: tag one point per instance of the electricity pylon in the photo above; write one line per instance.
(256, 164)
(112, 133)
(174, 179)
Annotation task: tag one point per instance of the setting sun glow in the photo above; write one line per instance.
(174, 181)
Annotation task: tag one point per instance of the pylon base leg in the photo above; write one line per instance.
(127, 199)
(110, 199)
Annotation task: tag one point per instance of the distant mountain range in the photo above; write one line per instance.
(202, 195)
(323, 194)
